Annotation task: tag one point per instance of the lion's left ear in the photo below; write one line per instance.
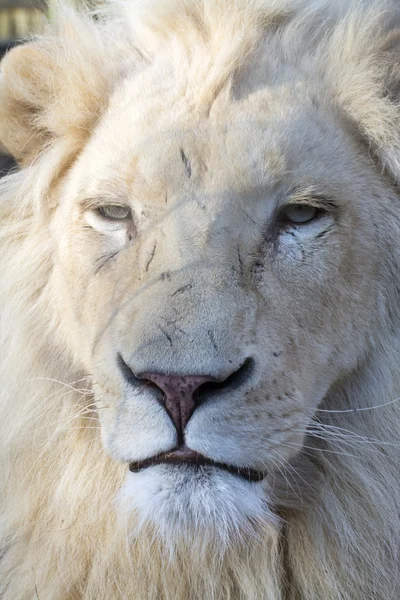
(384, 131)
(364, 56)
(386, 141)
(53, 88)
(390, 52)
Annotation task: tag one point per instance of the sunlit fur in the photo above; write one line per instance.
(61, 535)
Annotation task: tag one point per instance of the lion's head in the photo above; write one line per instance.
(216, 283)
(220, 222)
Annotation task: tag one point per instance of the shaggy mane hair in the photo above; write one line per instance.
(61, 536)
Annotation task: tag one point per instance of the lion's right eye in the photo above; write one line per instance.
(299, 214)
(115, 212)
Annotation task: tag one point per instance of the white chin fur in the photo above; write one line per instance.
(200, 506)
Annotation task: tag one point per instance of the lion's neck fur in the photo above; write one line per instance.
(61, 536)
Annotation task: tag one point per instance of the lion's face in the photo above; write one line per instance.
(217, 272)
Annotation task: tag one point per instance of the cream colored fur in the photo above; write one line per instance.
(332, 527)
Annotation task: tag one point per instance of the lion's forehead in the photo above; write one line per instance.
(245, 151)
(154, 141)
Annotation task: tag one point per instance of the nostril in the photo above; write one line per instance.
(126, 371)
(132, 379)
(232, 382)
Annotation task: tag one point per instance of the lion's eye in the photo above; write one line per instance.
(299, 213)
(115, 212)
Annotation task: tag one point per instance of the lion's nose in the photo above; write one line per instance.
(180, 395)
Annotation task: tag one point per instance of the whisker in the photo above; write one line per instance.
(62, 383)
(356, 409)
(284, 475)
(330, 431)
(315, 449)
(294, 470)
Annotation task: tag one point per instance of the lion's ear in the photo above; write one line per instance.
(392, 56)
(56, 88)
(23, 98)
(369, 90)
(387, 139)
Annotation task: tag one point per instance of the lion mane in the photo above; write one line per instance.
(61, 535)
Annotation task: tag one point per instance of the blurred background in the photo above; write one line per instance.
(18, 18)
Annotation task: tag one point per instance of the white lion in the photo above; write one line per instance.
(200, 268)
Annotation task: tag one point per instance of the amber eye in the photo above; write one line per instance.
(299, 213)
(115, 212)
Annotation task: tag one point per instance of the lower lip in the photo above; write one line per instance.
(247, 474)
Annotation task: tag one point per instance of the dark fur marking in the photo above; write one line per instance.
(151, 257)
(250, 218)
(183, 289)
(175, 326)
(166, 335)
(241, 267)
(106, 258)
(322, 233)
(258, 270)
(187, 165)
(212, 338)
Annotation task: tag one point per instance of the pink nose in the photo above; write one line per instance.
(180, 395)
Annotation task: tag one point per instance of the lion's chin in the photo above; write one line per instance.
(195, 505)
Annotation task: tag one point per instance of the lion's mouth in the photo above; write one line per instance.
(187, 456)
